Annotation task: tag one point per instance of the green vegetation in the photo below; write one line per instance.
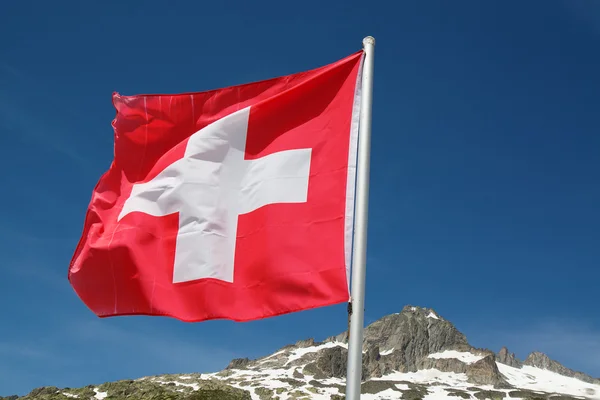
(489, 394)
(145, 389)
(458, 393)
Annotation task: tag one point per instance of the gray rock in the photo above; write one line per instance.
(507, 358)
(299, 344)
(485, 372)
(442, 364)
(332, 362)
(412, 335)
(409, 337)
(305, 343)
(238, 363)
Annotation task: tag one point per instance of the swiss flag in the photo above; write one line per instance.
(235, 203)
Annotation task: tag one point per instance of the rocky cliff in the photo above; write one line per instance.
(508, 358)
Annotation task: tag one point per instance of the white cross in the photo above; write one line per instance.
(210, 187)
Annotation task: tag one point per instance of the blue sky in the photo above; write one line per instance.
(484, 185)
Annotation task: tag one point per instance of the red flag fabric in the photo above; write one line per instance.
(234, 203)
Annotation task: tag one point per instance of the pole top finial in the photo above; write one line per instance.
(369, 40)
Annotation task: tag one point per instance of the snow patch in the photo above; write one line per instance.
(464, 356)
(298, 353)
(276, 378)
(538, 379)
(385, 394)
(428, 376)
(70, 395)
(100, 395)
(194, 386)
(432, 315)
(386, 352)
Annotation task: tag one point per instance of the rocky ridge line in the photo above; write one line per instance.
(541, 360)
(403, 342)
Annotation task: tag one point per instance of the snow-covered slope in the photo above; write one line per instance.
(290, 381)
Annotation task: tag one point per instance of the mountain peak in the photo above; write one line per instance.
(421, 311)
(538, 359)
(404, 338)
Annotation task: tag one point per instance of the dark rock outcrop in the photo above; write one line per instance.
(485, 372)
(305, 343)
(332, 362)
(443, 364)
(408, 337)
(238, 363)
(507, 358)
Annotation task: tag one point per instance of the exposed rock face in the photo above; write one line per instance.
(332, 362)
(305, 343)
(414, 333)
(507, 358)
(485, 372)
(541, 360)
(410, 336)
(238, 363)
(443, 364)
(406, 338)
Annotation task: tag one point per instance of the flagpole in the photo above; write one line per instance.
(359, 251)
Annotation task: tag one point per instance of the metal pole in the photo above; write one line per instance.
(359, 256)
